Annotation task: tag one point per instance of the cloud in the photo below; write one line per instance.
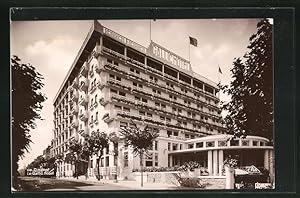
(56, 54)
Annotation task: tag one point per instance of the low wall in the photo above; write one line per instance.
(213, 182)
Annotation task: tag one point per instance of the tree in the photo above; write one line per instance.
(95, 144)
(26, 106)
(77, 153)
(250, 111)
(114, 138)
(140, 140)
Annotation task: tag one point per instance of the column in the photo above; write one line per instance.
(215, 162)
(101, 41)
(271, 164)
(221, 160)
(125, 51)
(170, 161)
(266, 159)
(209, 162)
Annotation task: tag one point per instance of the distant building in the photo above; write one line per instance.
(114, 80)
(47, 152)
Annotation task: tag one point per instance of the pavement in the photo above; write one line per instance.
(120, 185)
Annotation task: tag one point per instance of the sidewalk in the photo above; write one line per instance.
(128, 184)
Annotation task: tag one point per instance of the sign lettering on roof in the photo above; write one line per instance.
(168, 57)
(124, 40)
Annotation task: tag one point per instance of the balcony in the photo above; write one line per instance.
(84, 116)
(84, 130)
(91, 73)
(75, 83)
(103, 101)
(84, 100)
(93, 88)
(107, 118)
(100, 85)
(74, 124)
(84, 69)
(75, 96)
(84, 84)
(74, 110)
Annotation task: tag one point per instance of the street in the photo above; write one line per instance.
(52, 184)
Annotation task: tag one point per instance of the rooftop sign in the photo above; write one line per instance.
(124, 40)
(168, 57)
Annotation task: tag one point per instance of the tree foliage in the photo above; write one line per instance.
(26, 106)
(94, 144)
(250, 111)
(42, 162)
(140, 140)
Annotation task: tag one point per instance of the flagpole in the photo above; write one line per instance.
(189, 52)
(219, 81)
(150, 31)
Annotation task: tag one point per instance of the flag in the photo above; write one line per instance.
(193, 41)
(220, 71)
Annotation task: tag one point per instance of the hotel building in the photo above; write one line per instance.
(114, 80)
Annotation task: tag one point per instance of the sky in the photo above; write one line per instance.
(51, 47)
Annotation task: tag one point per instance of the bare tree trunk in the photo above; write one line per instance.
(76, 169)
(98, 168)
(141, 165)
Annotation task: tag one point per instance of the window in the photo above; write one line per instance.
(97, 115)
(175, 147)
(125, 159)
(118, 107)
(110, 61)
(134, 83)
(149, 159)
(180, 146)
(141, 113)
(111, 76)
(210, 144)
(126, 109)
(114, 91)
(175, 133)
(162, 118)
(122, 93)
(140, 86)
(156, 145)
(149, 115)
(144, 100)
(155, 159)
(123, 124)
(168, 119)
(137, 98)
(199, 145)
(169, 146)
(118, 78)
(169, 133)
(107, 161)
(131, 69)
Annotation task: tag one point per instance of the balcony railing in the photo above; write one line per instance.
(84, 84)
(74, 123)
(84, 100)
(107, 118)
(74, 110)
(75, 83)
(84, 69)
(75, 96)
(84, 116)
